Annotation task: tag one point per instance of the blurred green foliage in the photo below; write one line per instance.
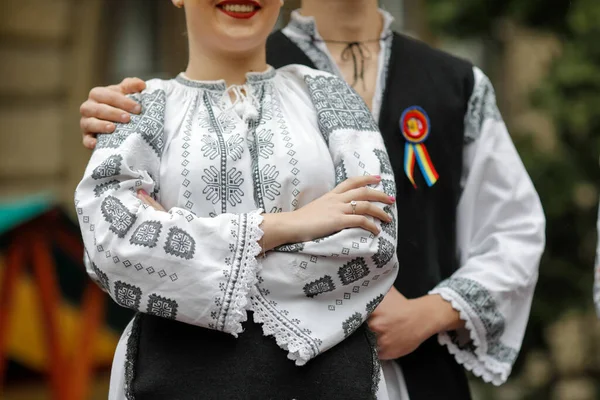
(568, 178)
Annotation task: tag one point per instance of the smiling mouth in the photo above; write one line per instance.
(239, 8)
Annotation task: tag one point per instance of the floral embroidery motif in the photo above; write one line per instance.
(162, 307)
(322, 285)
(352, 324)
(229, 189)
(99, 190)
(119, 217)
(482, 106)
(385, 252)
(338, 106)
(109, 167)
(128, 295)
(353, 271)
(146, 234)
(180, 244)
(269, 186)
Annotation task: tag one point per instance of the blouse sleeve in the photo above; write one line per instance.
(357, 149)
(500, 238)
(170, 264)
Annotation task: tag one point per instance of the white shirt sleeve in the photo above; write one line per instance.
(171, 263)
(500, 240)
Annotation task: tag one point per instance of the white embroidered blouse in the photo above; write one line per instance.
(289, 137)
(501, 225)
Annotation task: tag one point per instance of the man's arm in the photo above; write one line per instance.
(107, 105)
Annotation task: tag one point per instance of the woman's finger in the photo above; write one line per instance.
(366, 194)
(104, 112)
(95, 126)
(356, 182)
(360, 221)
(367, 208)
(145, 197)
(115, 99)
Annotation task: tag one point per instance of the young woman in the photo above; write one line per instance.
(280, 200)
(471, 241)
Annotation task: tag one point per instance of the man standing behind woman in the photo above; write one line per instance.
(470, 223)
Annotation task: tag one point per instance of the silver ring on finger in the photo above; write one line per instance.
(353, 204)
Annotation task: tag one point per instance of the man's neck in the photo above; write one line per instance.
(345, 20)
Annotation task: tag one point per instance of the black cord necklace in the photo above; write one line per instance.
(358, 51)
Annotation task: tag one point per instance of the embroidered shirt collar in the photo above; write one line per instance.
(220, 85)
(306, 25)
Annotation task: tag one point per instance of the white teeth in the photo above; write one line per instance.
(239, 8)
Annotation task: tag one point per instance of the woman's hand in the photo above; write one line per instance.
(146, 199)
(106, 105)
(329, 214)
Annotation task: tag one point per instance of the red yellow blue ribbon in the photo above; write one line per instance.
(415, 125)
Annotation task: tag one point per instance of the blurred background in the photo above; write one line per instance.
(58, 331)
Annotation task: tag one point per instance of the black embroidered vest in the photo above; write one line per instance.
(441, 85)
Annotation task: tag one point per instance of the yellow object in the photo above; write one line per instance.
(26, 343)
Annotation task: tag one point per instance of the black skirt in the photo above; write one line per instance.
(169, 360)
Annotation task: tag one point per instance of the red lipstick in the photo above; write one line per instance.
(240, 9)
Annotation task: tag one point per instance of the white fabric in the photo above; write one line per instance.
(501, 225)
(288, 137)
(500, 239)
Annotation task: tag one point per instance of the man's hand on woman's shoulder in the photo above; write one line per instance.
(105, 106)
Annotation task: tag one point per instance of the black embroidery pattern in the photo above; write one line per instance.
(290, 248)
(233, 275)
(99, 190)
(384, 161)
(338, 106)
(119, 217)
(322, 285)
(180, 244)
(227, 189)
(102, 278)
(162, 307)
(340, 172)
(376, 371)
(353, 271)
(131, 357)
(146, 234)
(385, 252)
(372, 305)
(484, 305)
(389, 187)
(269, 185)
(482, 106)
(128, 296)
(220, 182)
(352, 324)
(149, 124)
(389, 227)
(319, 58)
(109, 167)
